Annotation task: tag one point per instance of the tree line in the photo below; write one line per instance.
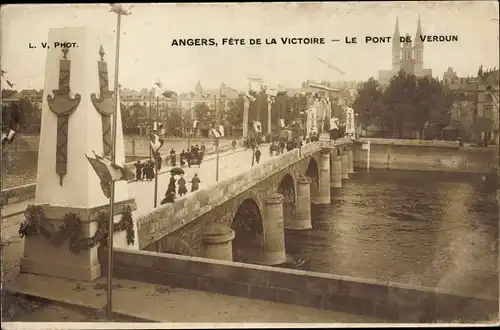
(408, 103)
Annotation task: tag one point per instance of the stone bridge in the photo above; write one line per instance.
(251, 209)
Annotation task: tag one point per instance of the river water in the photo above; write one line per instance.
(427, 228)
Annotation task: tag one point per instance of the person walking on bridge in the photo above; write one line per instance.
(171, 186)
(172, 156)
(138, 170)
(182, 185)
(257, 155)
(195, 182)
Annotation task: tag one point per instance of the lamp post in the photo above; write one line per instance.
(190, 129)
(157, 155)
(217, 159)
(150, 121)
(119, 12)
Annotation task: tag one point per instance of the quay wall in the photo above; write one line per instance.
(418, 155)
(387, 300)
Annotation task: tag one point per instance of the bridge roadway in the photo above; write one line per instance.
(231, 164)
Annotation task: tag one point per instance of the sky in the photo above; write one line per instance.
(146, 53)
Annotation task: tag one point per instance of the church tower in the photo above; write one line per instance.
(418, 49)
(407, 62)
(198, 89)
(396, 49)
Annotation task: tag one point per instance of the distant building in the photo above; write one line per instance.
(475, 109)
(407, 56)
(130, 97)
(220, 96)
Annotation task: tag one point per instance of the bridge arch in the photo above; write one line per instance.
(313, 173)
(287, 188)
(249, 230)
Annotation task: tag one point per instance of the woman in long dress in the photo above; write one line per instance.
(171, 185)
(182, 185)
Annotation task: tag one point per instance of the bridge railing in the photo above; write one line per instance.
(170, 217)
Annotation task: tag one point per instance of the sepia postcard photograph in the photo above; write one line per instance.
(250, 165)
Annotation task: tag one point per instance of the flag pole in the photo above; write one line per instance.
(157, 156)
(109, 307)
(150, 123)
(191, 124)
(217, 159)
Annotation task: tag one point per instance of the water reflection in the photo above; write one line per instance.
(434, 229)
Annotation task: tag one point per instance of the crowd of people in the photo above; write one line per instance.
(177, 187)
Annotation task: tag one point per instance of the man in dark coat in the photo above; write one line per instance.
(138, 170)
(195, 182)
(257, 155)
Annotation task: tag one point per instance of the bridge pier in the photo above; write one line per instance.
(336, 172)
(217, 242)
(324, 177)
(350, 161)
(273, 252)
(302, 218)
(345, 169)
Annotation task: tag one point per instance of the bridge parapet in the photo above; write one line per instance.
(170, 217)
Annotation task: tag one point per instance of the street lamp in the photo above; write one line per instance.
(115, 8)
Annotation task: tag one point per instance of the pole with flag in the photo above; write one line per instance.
(159, 141)
(217, 133)
(119, 12)
(191, 122)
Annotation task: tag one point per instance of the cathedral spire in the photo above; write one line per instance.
(419, 32)
(396, 28)
(396, 44)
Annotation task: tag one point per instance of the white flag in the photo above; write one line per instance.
(249, 97)
(155, 142)
(215, 133)
(195, 124)
(158, 85)
(218, 133)
(282, 122)
(333, 123)
(257, 126)
(7, 138)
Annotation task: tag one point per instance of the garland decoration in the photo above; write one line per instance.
(71, 229)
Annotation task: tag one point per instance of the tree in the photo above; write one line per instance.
(369, 103)
(202, 112)
(174, 123)
(433, 102)
(401, 100)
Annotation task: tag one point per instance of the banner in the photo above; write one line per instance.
(255, 83)
(195, 124)
(350, 124)
(272, 92)
(282, 123)
(257, 126)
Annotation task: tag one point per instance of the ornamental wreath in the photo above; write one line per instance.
(36, 223)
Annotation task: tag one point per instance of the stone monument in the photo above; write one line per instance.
(68, 221)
